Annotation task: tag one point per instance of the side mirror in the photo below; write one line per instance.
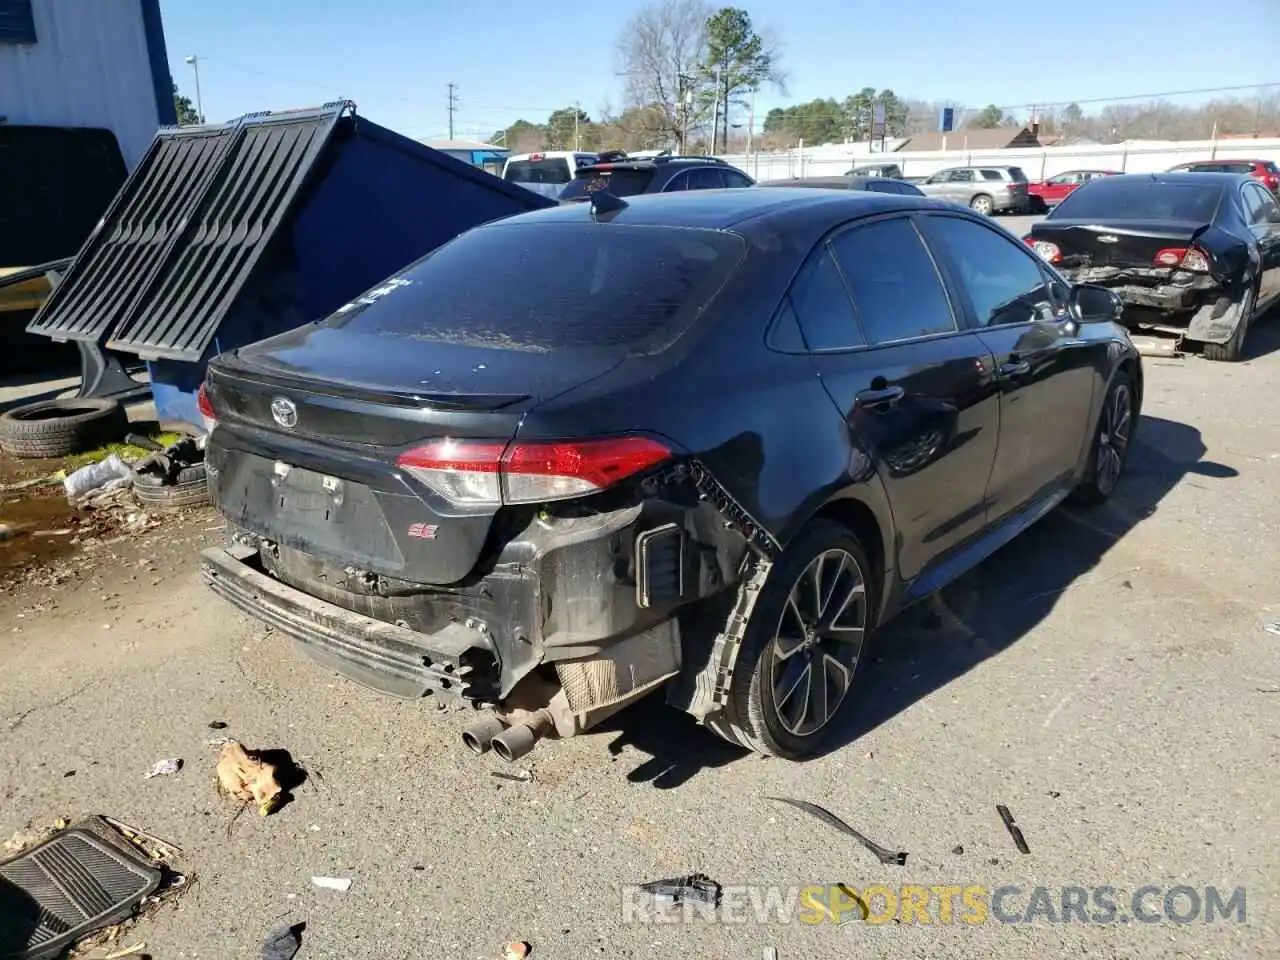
(1095, 304)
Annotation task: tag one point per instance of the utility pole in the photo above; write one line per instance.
(195, 66)
(453, 105)
(751, 121)
(715, 115)
(577, 140)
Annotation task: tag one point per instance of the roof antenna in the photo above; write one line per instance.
(605, 203)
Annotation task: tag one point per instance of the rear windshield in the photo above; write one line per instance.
(1220, 167)
(540, 286)
(1110, 198)
(554, 170)
(622, 183)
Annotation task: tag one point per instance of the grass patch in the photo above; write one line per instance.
(126, 451)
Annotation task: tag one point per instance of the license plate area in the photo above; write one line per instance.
(313, 496)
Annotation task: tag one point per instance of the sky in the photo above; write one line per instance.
(394, 58)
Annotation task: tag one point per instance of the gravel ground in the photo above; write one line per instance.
(1106, 676)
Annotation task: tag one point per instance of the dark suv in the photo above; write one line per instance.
(627, 177)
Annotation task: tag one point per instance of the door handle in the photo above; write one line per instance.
(1014, 368)
(878, 397)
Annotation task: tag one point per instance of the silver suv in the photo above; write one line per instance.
(987, 189)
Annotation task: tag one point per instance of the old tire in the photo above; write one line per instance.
(1233, 349)
(1112, 439)
(802, 645)
(190, 489)
(56, 428)
(982, 204)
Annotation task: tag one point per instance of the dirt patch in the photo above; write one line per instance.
(39, 525)
(40, 531)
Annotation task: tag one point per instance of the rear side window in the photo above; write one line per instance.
(705, 178)
(550, 170)
(732, 178)
(542, 286)
(1258, 204)
(896, 289)
(1223, 167)
(621, 183)
(1108, 199)
(991, 175)
(821, 304)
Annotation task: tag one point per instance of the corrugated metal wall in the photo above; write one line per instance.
(94, 64)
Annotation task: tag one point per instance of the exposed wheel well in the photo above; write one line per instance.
(1134, 372)
(857, 516)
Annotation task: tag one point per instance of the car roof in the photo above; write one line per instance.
(652, 163)
(1187, 177)
(846, 182)
(813, 210)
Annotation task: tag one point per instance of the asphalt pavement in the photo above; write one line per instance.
(1107, 677)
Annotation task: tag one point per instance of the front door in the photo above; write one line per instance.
(1047, 375)
(915, 389)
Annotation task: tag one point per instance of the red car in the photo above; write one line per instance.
(1264, 171)
(1051, 192)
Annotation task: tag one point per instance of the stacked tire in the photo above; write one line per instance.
(57, 428)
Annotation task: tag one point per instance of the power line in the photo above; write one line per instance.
(453, 105)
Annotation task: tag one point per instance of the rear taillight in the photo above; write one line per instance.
(1047, 251)
(206, 409)
(1183, 258)
(478, 472)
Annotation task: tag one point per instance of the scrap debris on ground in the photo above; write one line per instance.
(885, 856)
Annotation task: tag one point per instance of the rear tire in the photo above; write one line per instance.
(56, 428)
(802, 645)
(1112, 439)
(1233, 349)
(982, 204)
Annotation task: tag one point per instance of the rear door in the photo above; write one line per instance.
(1046, 374)
(1261, 212)
(914, 388)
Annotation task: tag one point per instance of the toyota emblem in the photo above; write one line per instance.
(284, 412)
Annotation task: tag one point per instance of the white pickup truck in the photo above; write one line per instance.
(546, 173)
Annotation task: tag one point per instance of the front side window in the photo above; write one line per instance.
(1004, 283)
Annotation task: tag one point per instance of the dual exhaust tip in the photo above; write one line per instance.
(510, 743)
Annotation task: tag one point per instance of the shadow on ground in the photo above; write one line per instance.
(977, 617)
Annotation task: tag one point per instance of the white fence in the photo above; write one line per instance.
(1132, 157)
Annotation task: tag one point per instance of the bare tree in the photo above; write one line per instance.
(659, 52)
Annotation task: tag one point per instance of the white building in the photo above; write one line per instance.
(86, 63)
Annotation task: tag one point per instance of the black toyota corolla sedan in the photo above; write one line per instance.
(699, 444)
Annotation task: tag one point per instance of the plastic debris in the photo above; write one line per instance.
(695, 888)
(245, 776)
(217, 725)
(283, 942)
(94, 477)
(516, 951)
(1018, 840)
(887, 857)
(332, 883)
(1272, 626)
(522, 776)
(164, 768)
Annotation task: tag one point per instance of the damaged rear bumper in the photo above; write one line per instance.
(383, 656)
(1195, 306)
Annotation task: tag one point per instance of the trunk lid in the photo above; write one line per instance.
(321, 477)
(1119, 243)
